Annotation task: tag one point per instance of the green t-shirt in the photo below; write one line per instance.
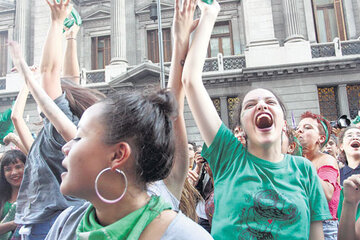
(258, 199)
(341, 200)
(6, 209)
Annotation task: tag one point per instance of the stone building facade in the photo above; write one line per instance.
(306, 50)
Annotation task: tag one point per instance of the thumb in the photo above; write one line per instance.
(194, 24)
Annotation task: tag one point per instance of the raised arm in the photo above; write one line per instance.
(71, 64)
(13, 138)
(349, 228)
(202, 108)
(20, 125)
(61, 122)
(183, 25)
(51, 61)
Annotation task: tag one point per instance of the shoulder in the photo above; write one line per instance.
(158, 226)
(182, 228)
(327, 159)
(66, 223)
(300, 161)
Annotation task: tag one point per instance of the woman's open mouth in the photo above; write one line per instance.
(355, 144)
(263, 121)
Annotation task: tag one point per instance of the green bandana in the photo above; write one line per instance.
(129, 227)
(6, 124)
(326, 132)
(356, 120)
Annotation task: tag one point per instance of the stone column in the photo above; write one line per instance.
(343, 100)
(309, 19)
(118, 32)
(292, 22)
(22, 27)
(259, 24)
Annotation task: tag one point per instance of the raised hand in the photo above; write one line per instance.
(71, 33)
(59, 10)
(11, 137)
(209, 9)
(184, 22)
(352, 189)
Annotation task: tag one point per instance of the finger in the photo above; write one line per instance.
(66, 3)
(177, 6)
(48, 2)
(184, 5)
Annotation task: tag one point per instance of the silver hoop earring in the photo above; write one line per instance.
(98, 193)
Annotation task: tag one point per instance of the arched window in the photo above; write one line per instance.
(329, 20)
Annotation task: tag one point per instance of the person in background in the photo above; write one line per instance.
(11, 173)
(313, 133)
(349, 228)
(39, 204)
(332, 146)
(350, 152)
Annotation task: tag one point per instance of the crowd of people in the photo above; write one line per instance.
(121, 166)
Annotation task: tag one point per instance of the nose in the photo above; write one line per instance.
(261, 105)
(299, 131)
(66, 148)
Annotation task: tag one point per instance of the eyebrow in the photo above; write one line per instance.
(254, 100)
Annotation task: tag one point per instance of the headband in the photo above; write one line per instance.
(326, 131)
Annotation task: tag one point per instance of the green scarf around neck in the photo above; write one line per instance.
(129, 227)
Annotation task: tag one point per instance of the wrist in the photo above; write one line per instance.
(71, 38)
(350, 203)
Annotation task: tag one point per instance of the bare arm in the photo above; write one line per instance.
(71, 63)
(328, 189)
(50, 66)
(348, 228)
(200, 103)
(316, 231)
(20, 125)
(182, 27)
(13, 138)
(61, 122)
(7, 227)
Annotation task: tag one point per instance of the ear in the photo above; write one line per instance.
(322, 139)
(122, 152)
(291, 148)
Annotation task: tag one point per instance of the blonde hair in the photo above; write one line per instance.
(189, 198)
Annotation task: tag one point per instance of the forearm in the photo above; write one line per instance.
(328, 189)
(7, 227)
(200, 103)
(22, 129)
(177, 177)
(60, 121)
(347, 221)
(71, 63)
(50, 66)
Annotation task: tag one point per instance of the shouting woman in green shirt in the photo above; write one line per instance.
(260, 193)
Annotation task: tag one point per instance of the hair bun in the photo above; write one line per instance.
(164, 100)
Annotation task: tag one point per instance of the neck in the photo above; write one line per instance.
(14, 194)
(272, 153)
(353, 161)
(110, 213)
(311, 155)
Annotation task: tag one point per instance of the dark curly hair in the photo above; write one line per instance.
(144, 119)
(9, 157)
